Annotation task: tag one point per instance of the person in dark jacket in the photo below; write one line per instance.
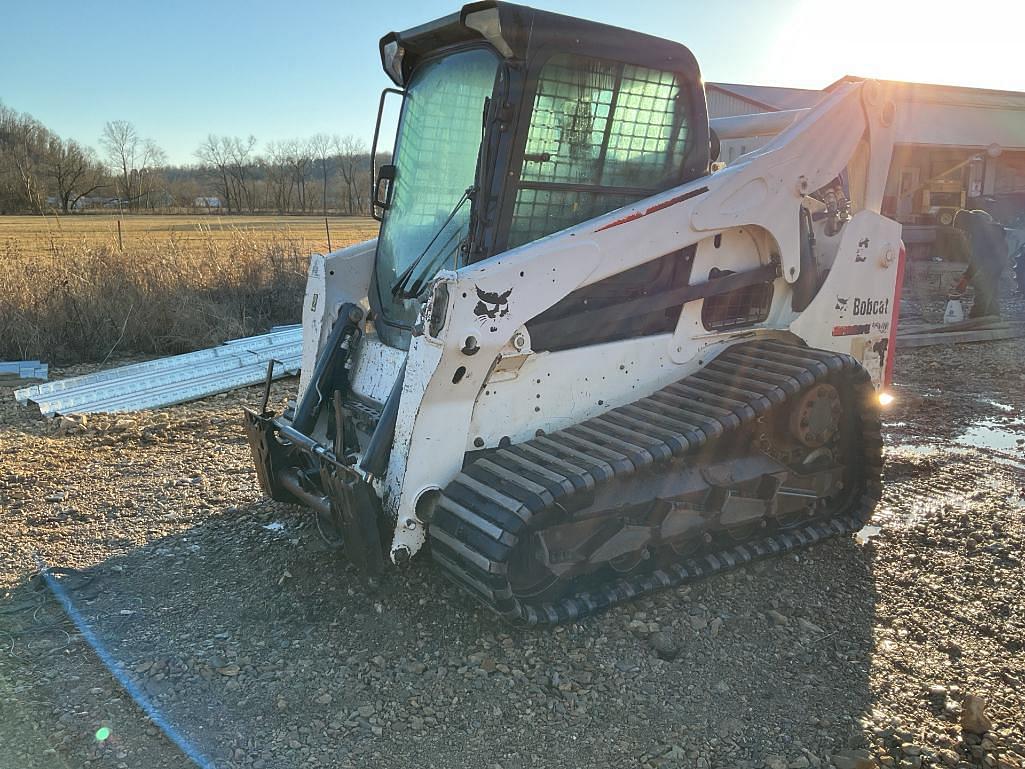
(989, 259)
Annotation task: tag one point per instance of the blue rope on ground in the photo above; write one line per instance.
(133, 690)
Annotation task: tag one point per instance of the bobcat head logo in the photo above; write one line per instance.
(491, 306)
(841, 304)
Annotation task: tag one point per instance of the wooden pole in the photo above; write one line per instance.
(120, 243)
(327, 227)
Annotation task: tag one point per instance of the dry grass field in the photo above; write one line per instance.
(70, 292)
(39, 235)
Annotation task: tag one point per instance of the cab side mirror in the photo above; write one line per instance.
(381, 180)
(384, 184)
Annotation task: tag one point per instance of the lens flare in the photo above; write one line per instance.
(102, 733)
(885, 399)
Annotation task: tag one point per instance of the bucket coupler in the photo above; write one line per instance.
(294, 467)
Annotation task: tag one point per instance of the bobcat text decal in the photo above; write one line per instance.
(861, 307)
(871, 306)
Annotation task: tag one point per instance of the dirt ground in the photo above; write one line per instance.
(200, 623)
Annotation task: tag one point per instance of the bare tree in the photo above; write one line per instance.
(132, 160)
(300, 162)
(277, 168)
(322, 146)
(352, 155)
(240, 152)
(23, 143)
(215, 154)
(121, 143)
(150, 178)
(73, 171)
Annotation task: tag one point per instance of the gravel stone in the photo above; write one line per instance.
(973, 715)
(664, 645)
(162, 517)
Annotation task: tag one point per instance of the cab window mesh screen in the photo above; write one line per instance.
(542, 212)
(644, 145)
(602, 134)
(569, 121)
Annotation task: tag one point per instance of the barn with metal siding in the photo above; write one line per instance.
(726, 99)
(955, 147)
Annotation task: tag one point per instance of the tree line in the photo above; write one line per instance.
(41, 172)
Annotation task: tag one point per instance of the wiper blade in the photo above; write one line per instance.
(399, 289)
(425, 275)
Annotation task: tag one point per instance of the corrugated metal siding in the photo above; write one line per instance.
(731, 149)
(722, 104)
(167, 381)
(23, 369)
(770, 97)
(959, 126)
(725, 105)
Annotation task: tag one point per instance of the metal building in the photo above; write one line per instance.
(726, 99)
(955, 147)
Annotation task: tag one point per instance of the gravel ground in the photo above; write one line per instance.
(254, 644)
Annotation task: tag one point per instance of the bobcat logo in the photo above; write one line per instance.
(841, 305)
(490, 305)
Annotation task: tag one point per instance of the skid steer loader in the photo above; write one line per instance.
(576, 363)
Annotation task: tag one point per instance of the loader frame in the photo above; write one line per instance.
(482, 370)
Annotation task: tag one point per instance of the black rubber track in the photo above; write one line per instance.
(491, 503)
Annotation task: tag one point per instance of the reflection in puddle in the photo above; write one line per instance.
(1001, 406)
(917, 449)
(992, 435)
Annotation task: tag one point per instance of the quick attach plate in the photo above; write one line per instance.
(300, 470)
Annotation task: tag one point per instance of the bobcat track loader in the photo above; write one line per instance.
(576, 364)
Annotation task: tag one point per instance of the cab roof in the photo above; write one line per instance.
(516, 32)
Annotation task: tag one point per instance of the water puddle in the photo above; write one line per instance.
(915, 449)
(995, 436)
(997, 405)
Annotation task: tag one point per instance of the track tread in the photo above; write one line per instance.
(487, 508)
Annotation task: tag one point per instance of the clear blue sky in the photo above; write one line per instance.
(182, 69)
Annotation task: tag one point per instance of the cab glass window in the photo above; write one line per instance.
(602, 134)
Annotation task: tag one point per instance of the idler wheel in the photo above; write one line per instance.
(815, 417)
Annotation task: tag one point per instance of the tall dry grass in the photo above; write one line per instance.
(91, 301)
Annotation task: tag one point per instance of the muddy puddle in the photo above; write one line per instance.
(1006, 438)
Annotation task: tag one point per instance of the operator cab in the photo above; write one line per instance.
(515, 124)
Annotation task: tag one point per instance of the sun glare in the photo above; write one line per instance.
(917, 41)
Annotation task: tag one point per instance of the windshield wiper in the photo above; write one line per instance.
(399, 289)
